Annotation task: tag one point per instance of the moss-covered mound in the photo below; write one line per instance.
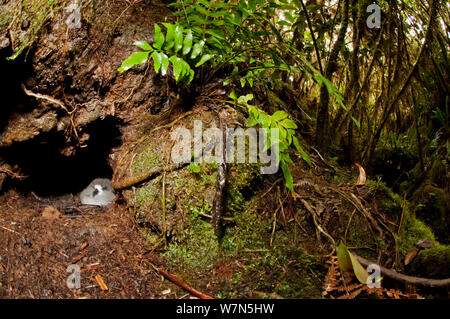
(432, 263)
(431, 208)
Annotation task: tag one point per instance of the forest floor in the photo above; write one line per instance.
(39, 242)
(275, 247)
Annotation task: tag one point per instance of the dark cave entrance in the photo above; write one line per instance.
(51, 173)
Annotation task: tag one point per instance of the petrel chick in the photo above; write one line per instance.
(99, 193)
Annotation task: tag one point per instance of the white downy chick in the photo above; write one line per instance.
(98, 193)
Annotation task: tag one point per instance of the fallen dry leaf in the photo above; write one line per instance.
(362, 175)
(410, 256)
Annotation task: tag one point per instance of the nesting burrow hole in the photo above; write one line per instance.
(48, 171)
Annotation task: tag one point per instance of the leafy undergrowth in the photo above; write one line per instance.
(340, 285)
(273, 248)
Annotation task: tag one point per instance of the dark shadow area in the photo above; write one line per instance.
(12, 75)
(52, 174)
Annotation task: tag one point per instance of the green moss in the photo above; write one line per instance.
(150, 157)
(144, 161)
(359, 235)
(387, 201)
(275, 103)
(431, 208)
(432, 263)
(34, 12)
(148, 193)
(246, 234)
(412, 231)
(199, 249)
(392, 204)
(285, 271)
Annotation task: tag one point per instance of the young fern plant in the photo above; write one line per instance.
(178, 47)
(286, 138)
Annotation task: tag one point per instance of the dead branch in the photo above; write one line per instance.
(424, 282)
(177, 281)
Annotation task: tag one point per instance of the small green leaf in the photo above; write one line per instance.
(194, 168)
(177, 67)
(164, 63)
(158, 38)
(283, 146)
(345, 264)
(264, 120)
(187, 43)
(249, 77)
(197, 49)
(191, 76)
(287, 176)
(359, 271)
(356, 122)
(283, 133)
(170, 36)
(143, 45)
(204, 59)
(252, 121)
(245, 98)
(134, 59)
(304, 155)
(288, 123)
(157, 60)
(279, 115)
(178, 35)
(286, 158)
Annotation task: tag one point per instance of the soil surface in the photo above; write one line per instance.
(41, 237)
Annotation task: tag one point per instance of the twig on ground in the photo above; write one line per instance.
(177, 281)
(313, 213)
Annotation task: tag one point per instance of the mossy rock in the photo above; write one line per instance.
(391, 204)
(431, 207)
(432, 263)
(150, 155)
(411, 232)
(187, 192)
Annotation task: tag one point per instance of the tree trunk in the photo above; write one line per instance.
(323, 115)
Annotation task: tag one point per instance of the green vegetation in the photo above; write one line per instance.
(339, 90)
(432, 263)
(27, 19)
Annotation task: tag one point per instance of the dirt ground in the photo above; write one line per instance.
(38, 244)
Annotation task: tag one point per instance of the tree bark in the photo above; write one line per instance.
(323, 115)
(392, 102)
